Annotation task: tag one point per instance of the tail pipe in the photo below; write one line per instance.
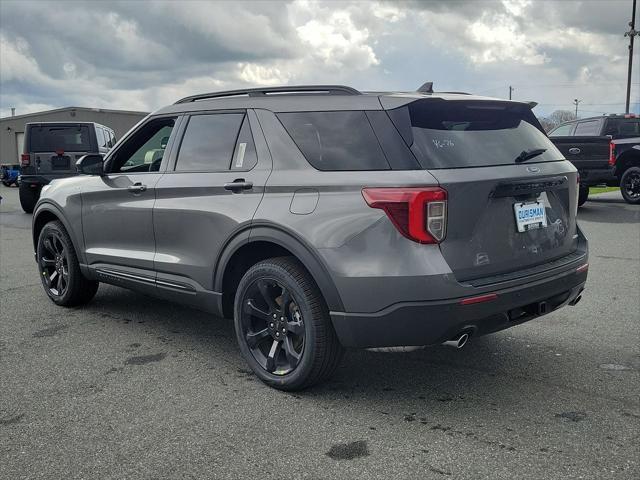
(458, 341)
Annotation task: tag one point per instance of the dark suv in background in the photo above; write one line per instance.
(51, 150)
(605, 150)
(320, 217)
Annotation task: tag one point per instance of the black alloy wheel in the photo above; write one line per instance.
(272, 326)
(283, 326)
(54, 264)
(59, 268)
(630, 185)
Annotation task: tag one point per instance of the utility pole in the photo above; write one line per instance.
(511, 89)
(576, 102)
(631, 34)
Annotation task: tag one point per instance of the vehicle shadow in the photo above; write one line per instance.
(489, 373)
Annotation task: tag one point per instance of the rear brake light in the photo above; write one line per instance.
(25, 159)
(612, 154)
(419, 213)
(582, 268)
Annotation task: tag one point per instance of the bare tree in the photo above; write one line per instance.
(556, 118)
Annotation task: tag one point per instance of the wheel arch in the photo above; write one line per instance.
(630, 158)
(48, 212)
(261, 242)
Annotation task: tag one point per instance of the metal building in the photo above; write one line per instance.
(12, 128)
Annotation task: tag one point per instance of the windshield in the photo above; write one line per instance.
(454, 134)
(51, 138)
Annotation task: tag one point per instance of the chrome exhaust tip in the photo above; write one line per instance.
(457, 342)
(575, 301)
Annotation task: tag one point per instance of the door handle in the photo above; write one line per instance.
(137, 187)
(238, 184)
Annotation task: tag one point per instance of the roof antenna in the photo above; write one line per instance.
(426, 88)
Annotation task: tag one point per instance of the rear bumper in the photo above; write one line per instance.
(433, 322)
(597, 176)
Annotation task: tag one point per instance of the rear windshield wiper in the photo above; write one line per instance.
(528, 154)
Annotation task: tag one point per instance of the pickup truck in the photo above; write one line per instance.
(605, 150)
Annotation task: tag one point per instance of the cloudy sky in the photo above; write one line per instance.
(140, 55)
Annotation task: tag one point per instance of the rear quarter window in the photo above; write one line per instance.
(330, 141)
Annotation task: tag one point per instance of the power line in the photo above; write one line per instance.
(561, 85)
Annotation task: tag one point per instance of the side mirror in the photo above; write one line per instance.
(91, 164)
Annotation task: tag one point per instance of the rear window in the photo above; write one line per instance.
(455, 134)
(51, 138)
(342, 140)
(623, 127)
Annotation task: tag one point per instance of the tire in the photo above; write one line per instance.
(280, 289)
(583, 194)
(630, 185)
(59, 270)
(28, 197)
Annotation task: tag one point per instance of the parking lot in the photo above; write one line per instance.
(133, 387)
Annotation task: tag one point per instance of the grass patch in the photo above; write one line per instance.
(596, 190)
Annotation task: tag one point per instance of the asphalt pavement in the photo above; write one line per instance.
(134, 387)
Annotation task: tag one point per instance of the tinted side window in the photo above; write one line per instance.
(209, 142)
(335, 140)
(587, 129)
(562, 131)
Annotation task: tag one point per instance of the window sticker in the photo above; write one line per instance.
(240, 154)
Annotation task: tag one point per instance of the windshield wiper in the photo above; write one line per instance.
(528, 154)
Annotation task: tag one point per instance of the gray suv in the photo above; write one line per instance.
(320, 218)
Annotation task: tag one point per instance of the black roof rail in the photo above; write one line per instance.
(261, 92)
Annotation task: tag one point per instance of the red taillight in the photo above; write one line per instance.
(479, 299)
(419, 213)
(25, 159)
(612, 154)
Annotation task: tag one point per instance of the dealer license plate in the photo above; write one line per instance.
(530, 215)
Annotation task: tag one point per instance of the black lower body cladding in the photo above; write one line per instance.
(431, 323)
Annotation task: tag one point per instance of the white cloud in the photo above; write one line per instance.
(260, 75)
(147, 54)
(496, 38)
(337, 42)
